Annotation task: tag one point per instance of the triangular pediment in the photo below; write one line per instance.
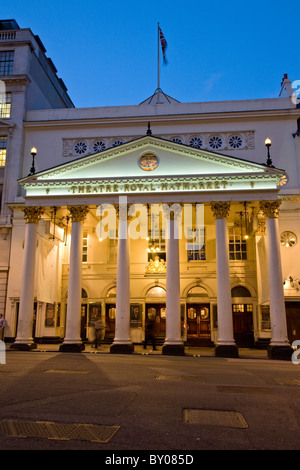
(156, 161)
(172, 159)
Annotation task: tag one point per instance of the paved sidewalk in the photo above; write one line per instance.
(244, 353)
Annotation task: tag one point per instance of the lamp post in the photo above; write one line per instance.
(268, 145)
(33, 154)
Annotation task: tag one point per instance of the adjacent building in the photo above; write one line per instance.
(179, 212)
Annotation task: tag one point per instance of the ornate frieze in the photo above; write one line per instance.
(220, 209)
(33, 214)
(205, 140)
(78, 213)
(270, 209)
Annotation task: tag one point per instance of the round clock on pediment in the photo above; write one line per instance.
(148, 162)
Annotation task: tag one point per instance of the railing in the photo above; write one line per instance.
(5, 35)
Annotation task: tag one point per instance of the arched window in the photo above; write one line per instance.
(112, 292)
(156, 292)
(240, 291)
(197, 291)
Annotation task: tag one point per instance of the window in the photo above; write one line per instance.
(84, 247)
(196, 251)
(3, 142)
(112, 250)
(157, 244)
(6, 62)
(5, 105)
(237, 245)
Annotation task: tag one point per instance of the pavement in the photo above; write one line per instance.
(124, 404)
(244, 353)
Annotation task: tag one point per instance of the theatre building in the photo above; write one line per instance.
(179, 212)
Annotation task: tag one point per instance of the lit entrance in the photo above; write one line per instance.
(198, 324)
(293, 320)
(156, 310)
(110, 314)
(198, 317)
(242, 315)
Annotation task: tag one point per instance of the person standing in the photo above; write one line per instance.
(149, 333)
(3, 323)
(99, 330)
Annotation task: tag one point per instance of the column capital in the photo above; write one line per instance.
(220, 209)
(78, 213)
(33, 214)
(270, 209)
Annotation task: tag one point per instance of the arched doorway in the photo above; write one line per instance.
(110, 313)
(198, 317)
(242, 315)
(156, 309)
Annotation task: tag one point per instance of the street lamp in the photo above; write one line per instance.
(268, 145)
(33, 154)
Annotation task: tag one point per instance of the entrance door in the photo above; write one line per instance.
(158, 313)
(243, 325)
(83, 322)
(198, 324)
(110, 320)
(293, 320)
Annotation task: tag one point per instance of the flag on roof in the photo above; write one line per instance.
(163, 45)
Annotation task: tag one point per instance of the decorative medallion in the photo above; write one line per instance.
(288, 239)
(148, 162)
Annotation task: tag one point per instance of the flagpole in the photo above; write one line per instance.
(158, 57)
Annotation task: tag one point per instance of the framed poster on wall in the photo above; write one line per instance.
(50, 315)
(136, 314)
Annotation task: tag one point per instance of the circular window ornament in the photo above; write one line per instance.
(99, 146)
(80, 148)
(288, 239)
(235, 142)
(196, 142)
(148, 162)
(215, 142)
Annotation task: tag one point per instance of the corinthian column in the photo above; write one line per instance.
(173, 344)
(72, 341)
(24, 340)
(226, 346)
(279, 347)
(122, 342)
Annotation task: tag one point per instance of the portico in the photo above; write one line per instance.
(148, 174)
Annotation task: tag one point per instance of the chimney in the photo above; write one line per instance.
(286, 87)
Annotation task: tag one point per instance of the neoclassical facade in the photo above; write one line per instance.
(192, 192)
(165, 210)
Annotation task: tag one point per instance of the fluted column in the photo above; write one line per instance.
(122, 342)
(226, 346)
(24, 340)
(173, 344)
(279, 347)
(72, 341)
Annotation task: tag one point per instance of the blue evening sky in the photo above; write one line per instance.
(106, 52)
